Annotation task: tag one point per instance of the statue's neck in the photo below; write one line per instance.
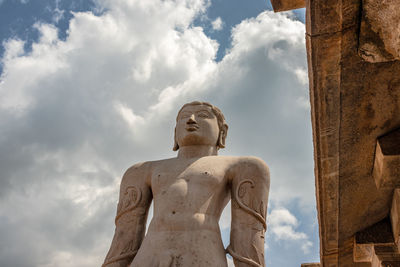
(198, 151)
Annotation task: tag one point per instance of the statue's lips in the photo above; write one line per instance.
(192, 128)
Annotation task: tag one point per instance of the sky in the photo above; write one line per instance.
(89, 88)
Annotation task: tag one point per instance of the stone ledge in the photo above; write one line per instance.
(311, 265)
(284, 5)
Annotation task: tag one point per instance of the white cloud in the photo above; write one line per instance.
(282, 225)
(75, 114)
(279, 216)
(230, 262)
(217, 24)
(128, 115)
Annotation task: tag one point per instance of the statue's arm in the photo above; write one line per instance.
(250, 189)
(130, 222)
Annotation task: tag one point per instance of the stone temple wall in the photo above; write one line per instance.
(353, 49)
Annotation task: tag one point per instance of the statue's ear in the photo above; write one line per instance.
(222, 136)
(176, 146)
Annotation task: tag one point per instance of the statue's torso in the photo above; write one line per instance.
(189, 196)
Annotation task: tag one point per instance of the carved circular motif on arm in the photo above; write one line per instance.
(129, 201)
(239, 193)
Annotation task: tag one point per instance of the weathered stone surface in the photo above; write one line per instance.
(331, 16)
(380, 31)
(370, 107)
(189, 194)
(283, 5)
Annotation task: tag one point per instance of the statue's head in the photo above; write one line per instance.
(200, 123)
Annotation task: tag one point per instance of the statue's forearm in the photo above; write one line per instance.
(250, 190)
(129, 233)
(247, 239)
(130, 223)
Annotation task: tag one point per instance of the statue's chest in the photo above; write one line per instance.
(195, 179)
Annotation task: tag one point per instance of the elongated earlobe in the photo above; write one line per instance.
(176, 146)
(222, 137)
(221, 141)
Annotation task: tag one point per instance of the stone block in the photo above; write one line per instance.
(284, 5)
(365, 253)
(386, 170)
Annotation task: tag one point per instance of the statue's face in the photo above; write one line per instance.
(197, 125)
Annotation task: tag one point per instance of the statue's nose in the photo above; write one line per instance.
(191, 120)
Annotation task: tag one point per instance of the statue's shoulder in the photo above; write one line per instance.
(251, 165)
(137, 168)
(251, 162)
(137, 172)
(143, 170)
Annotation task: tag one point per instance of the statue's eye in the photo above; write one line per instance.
(185, 115)
(203, 115)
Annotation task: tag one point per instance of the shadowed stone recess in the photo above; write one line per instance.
(380, 233)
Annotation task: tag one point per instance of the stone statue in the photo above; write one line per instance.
(190, 193)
